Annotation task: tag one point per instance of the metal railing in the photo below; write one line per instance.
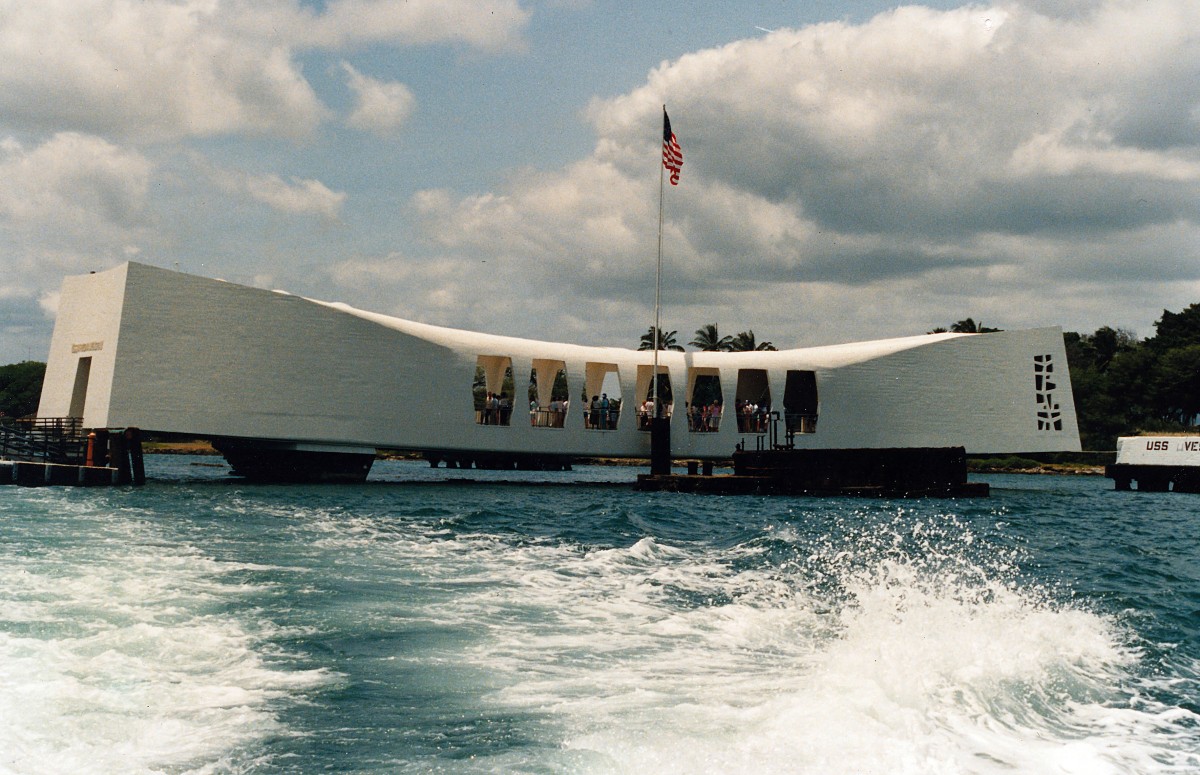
(793, 423)
(753, 422)
(703, 423)
(43, 439)
(501, 416)
(547, 418)
(599, 420)
(645, 418)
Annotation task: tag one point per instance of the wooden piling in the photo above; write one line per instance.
(137, 462)
(100, 456)
(118, 457)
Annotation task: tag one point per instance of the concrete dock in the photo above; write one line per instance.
(37, 474)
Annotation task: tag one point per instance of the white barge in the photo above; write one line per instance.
(1157, 463)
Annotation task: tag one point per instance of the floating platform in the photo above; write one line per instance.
(37, 474)
(1157, 464)
(892, 473)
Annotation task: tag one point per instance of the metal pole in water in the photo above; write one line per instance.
(660, 427)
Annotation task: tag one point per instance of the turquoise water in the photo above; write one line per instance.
(416, 624)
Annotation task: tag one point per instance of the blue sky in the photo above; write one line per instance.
(852, 170)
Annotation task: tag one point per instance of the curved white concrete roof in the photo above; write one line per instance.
(827, 356)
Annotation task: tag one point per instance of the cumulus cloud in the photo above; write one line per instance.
(444, 292)
(381, 107)
(174, 68)
(975, 159)
(486, 24)
(300, 197)
(71, 203)
(147, 69)
(74, 186)
(48, 302)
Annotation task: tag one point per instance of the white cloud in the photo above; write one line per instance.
(486, 24)
(1050, 154)
(69, 204)
(300, 197)
(381, 107)
(48, 301)
(74, 187)
(147, 69)
(161, 69)
(974, 159)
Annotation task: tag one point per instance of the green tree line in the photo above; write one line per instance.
(1123, 385)
(20, 388)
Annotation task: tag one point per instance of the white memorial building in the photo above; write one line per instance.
(171, 353)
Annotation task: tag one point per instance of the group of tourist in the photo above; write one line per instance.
(497, 409)
(645, 413)
(752, 418)
(705, 418)
(601, 413)
(553, 416)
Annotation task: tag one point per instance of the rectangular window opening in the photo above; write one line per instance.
(800, 402)
(83, 372)
(753, 401)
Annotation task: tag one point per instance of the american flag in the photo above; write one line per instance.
(672, 153)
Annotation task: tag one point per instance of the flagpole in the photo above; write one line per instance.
(658, 289)
(660, 427)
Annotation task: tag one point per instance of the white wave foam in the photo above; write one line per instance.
(897, 646)
(118, 653)
(670, 660)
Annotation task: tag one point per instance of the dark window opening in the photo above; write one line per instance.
(83, 372)
(800, 402)
(753, 401)
(492, 390)
(705, 402)
(601, 397)
(651, 406)
(548, 399)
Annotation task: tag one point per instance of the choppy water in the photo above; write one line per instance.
(204, 625)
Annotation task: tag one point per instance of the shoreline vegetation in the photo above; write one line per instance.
(1060, 463)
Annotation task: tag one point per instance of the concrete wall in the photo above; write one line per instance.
(203, 357)
(88, 326)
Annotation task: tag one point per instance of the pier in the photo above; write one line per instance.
(1157, 464)
(892, 473)
(37, 452)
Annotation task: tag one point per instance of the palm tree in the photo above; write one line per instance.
(969, 326)
(744, 342)
(709, 340)
(666, 340)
